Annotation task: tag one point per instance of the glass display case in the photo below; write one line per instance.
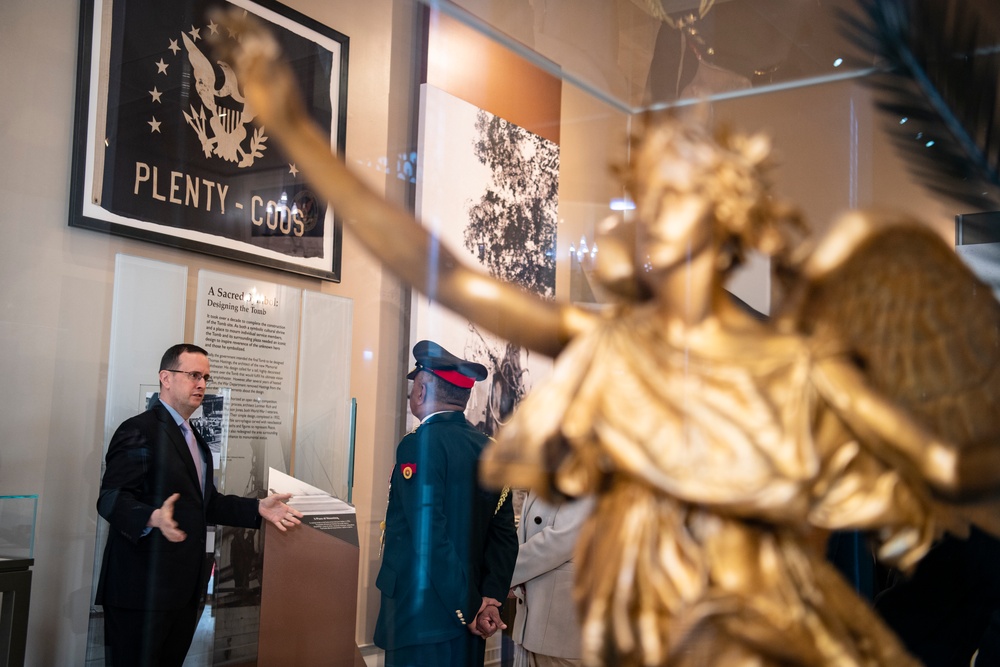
(567, 82)
(17, 552)
(17, 526)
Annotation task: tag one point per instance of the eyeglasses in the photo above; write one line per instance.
(194, 375)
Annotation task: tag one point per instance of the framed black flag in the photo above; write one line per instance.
(166, 149)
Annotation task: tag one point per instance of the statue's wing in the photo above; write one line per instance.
(924, 328)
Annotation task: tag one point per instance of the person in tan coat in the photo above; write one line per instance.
(546, 626)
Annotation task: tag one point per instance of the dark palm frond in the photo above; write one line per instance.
(937, 75)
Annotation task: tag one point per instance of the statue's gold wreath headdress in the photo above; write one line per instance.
(728, 170)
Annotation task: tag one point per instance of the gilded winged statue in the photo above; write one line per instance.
(721, 448)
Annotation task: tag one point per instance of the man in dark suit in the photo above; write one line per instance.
(158, 495)
(450, 546)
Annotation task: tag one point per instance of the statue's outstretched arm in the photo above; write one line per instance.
(954, 472)
(390, 233)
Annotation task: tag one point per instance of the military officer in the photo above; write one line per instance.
(449, 545)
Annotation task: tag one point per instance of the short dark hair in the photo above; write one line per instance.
(446, 392)
(174, 352)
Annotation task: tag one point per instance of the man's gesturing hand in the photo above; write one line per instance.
(274, 509)
(163, 518)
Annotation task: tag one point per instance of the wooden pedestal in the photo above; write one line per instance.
(309, 595)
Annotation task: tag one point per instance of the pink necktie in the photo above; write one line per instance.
(199, 463)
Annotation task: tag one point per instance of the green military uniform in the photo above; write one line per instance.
(448, 543)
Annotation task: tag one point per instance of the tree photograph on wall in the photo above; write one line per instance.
(512, 228)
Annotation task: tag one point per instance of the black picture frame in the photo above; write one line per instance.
(165, 150)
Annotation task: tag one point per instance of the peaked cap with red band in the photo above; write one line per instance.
(433, 358)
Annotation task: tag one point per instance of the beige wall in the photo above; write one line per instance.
(832, 153)
(57, 282)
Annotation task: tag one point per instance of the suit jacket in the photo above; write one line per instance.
(546, 620)
(448, 542)
(147, 461)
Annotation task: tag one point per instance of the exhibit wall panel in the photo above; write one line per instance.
(323, 453)
(147, 317)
